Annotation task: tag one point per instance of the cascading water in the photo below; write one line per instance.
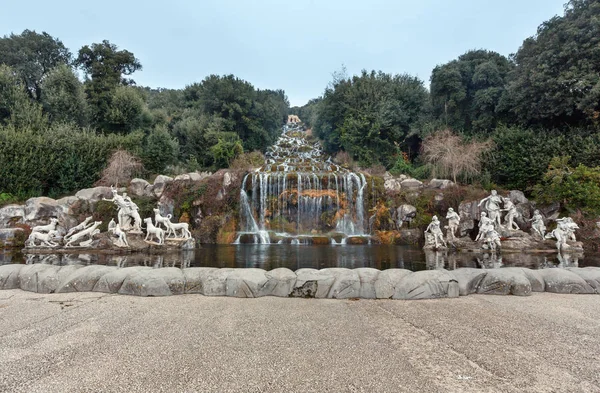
(298, 196)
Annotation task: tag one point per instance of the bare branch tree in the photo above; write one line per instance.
(450, 155)
(122, 167)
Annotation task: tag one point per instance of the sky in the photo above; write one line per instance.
(290, 45)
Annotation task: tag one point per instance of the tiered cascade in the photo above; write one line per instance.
(300, 196)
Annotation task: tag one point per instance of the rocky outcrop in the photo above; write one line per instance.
(334, 283)
(11, 214)
(440, 184)
(140, 188)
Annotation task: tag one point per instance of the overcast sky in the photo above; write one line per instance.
(291, 45)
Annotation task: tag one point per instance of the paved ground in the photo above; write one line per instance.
(109, 343)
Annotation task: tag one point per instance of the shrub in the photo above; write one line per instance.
(122, 167)
(576, 189)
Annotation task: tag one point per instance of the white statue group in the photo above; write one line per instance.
(490, 223)
(128, 221)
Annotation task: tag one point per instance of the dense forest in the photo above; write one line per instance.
(536, 111)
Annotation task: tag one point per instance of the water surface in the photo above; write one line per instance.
(271, 256)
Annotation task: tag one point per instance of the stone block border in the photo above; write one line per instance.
(333, 283)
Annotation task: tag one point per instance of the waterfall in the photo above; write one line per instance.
(299, 192)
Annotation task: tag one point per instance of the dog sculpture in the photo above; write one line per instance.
(89, 231)
(46, 228)
(152, 231)
(182, 226)
(46, 239)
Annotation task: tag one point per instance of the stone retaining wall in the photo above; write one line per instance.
(334, 283)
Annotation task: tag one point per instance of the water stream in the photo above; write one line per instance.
(299, 196)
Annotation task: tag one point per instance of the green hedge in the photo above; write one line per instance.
(56, 161)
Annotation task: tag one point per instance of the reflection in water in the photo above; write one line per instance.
(306, 256)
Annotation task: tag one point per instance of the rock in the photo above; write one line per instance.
(93, 195)
(84, 279)
(392, 184)
(8, 236)
(564, 281)
(312, 283)
(193, 278)
(112, 281)
(9, 276)
(468, 279)
(42, 278)
(346, 283)
(550, 212)
(427, 284)
(247, 283)
(166, 206)
(228, 178)
(505, 282)
(410, 236)
(517, 197)
(141, 188)
(411, 184)
(468, 212)
(160, 183)
(67, 202)
(39, 210)
(12, 214)
(405, 213)
(367, 276)
(441, 184)
(281, 281)
(590, 274)
(386, 283)
(214, 283)
(154, 282)
(535, 279)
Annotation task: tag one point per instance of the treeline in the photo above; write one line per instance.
(542, 102)
(57, 132)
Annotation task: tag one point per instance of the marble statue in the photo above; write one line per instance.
(152, 231)
(45, 234)
(537, 224)
(88, 232)
(511, 214)
(182, 226)
(492, 240)
(121, 236)
(83, 225)
(564, 232)
(485, 225)
(492, 205)
(436, 236)
(160, 219)
(46, 228)
(453, 222)
(570, 227)
(45, 239)
(128, 211)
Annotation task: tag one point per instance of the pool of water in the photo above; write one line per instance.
(309, 256)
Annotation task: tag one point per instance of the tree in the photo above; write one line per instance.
(256, 116)
(33, 56)
(63, 98)
(372, 116)
(465, 93)
(121, 168)
(575, 188)
(450, 155)
(557, 78)
(127, 111)
(105, 67)
(16, 108)
(160, 150)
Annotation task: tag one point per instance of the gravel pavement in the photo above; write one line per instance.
(91, 342)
